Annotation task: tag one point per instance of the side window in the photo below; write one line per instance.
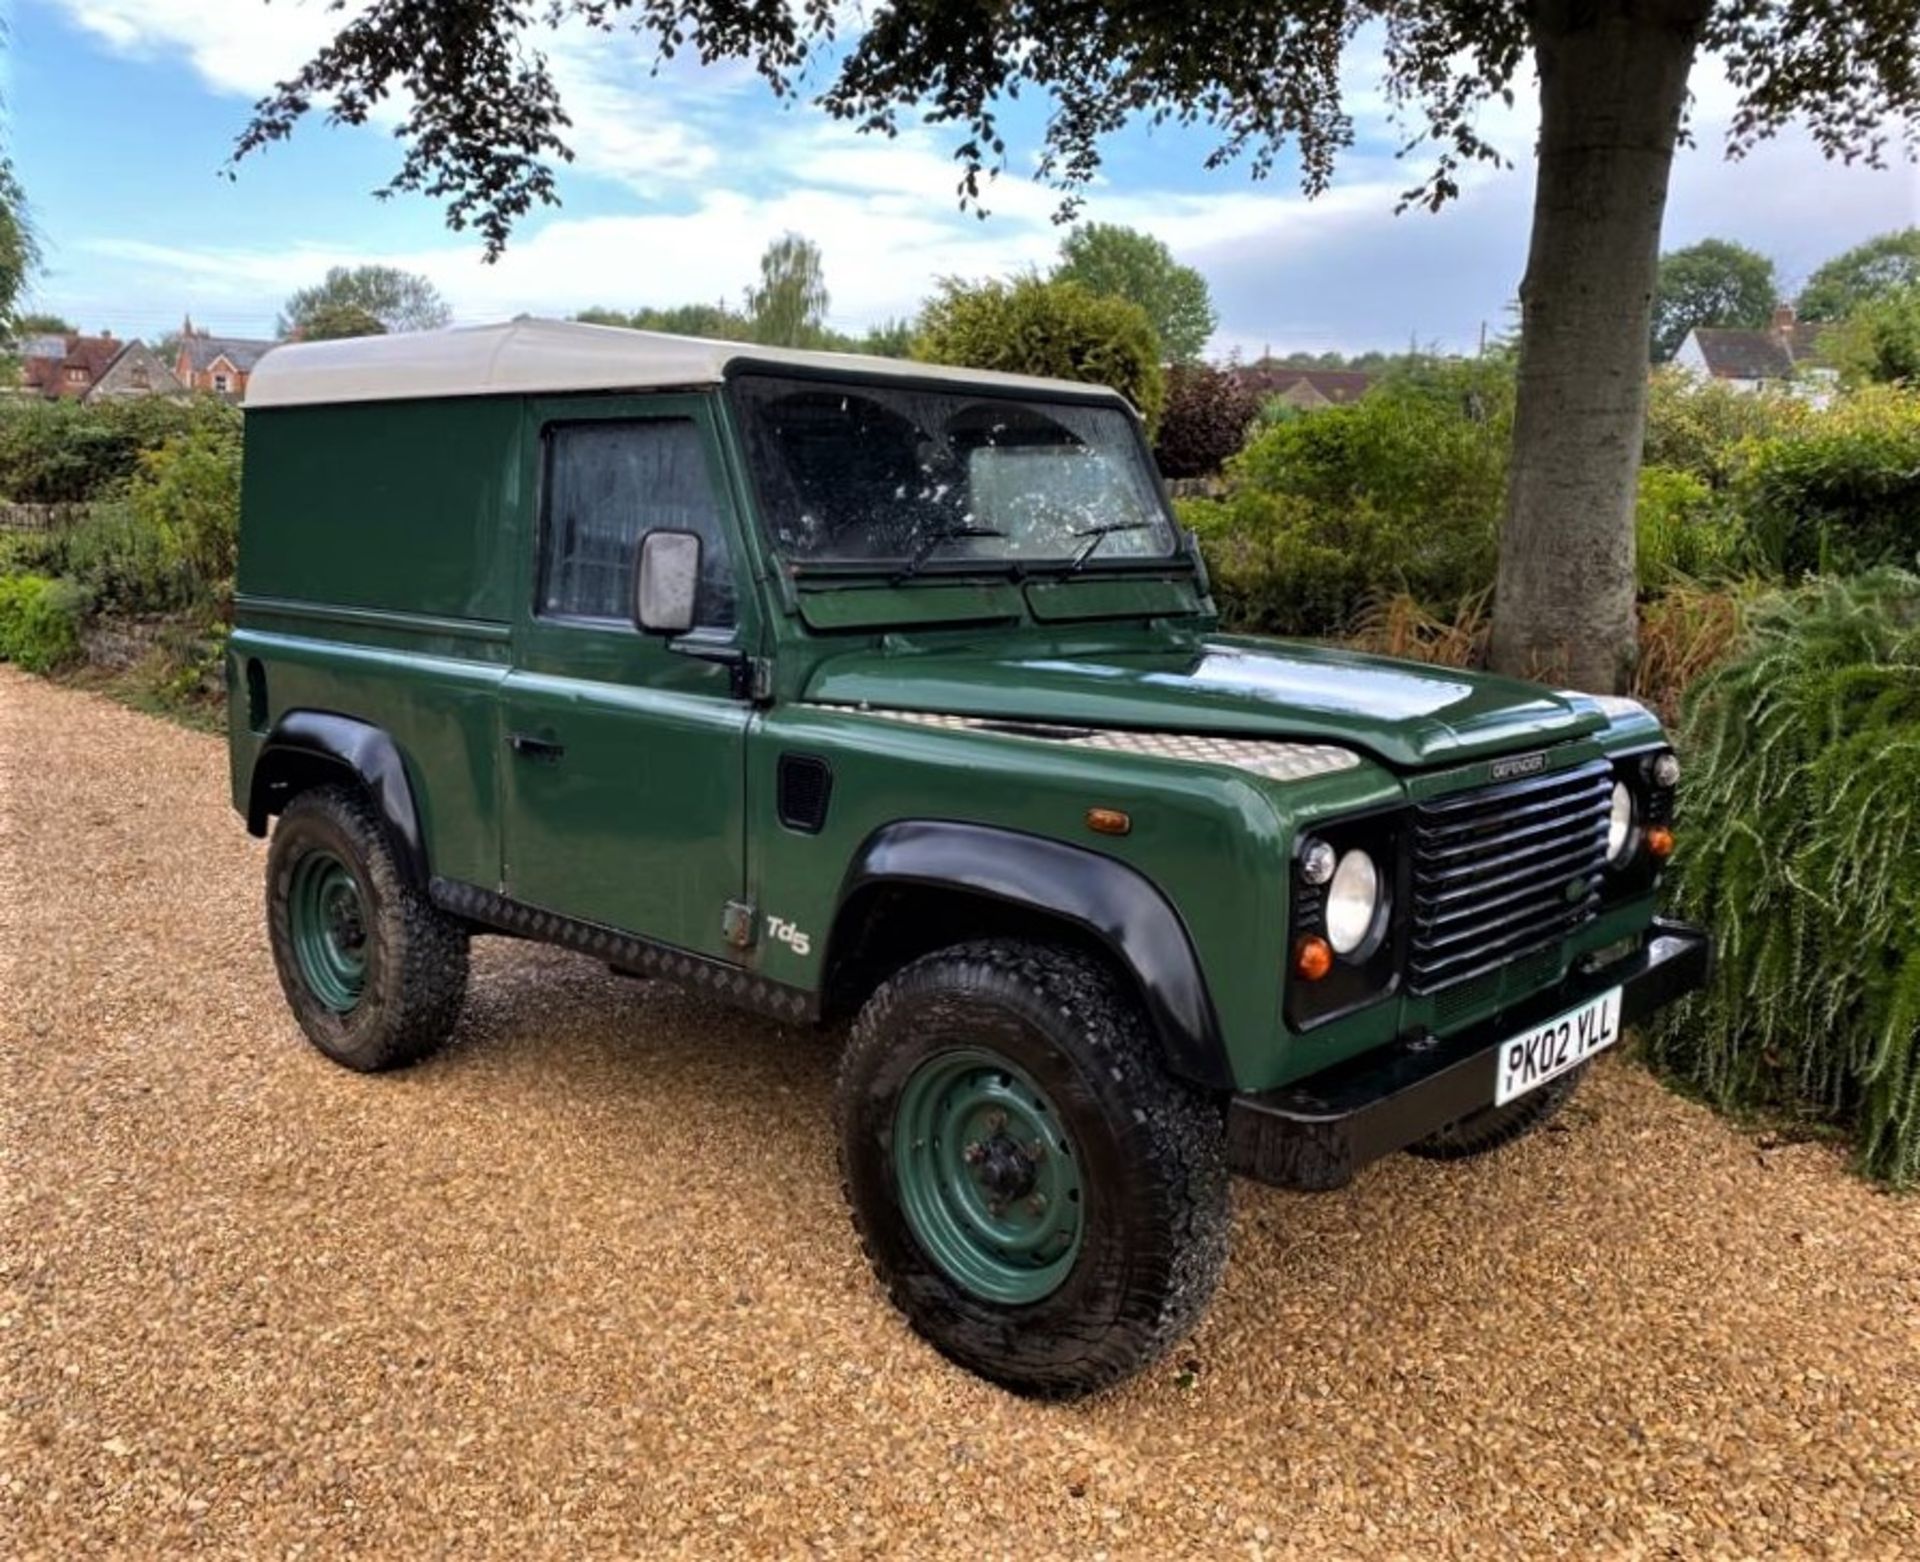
(608, 484)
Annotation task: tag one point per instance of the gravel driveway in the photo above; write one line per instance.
(583, 1282)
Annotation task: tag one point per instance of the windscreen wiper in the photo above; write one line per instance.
(1096, 535)
(939, 539)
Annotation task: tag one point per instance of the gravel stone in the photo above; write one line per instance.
(581, 1283)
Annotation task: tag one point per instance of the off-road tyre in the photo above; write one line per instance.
(1494, 1127)
(1148, 1149)
(414, 956)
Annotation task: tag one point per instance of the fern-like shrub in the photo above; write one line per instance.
(40, 622)
(1800, 852)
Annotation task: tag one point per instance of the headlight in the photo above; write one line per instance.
(1620, 823)
(1353, 902)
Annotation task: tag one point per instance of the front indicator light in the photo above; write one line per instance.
(1353, 900)
(1660, 842)
(1312, 958)
(1620, 824)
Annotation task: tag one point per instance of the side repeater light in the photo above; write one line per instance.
(1108, 821)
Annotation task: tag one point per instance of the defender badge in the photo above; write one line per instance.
(1519, 765)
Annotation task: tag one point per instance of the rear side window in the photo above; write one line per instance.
(608, 485)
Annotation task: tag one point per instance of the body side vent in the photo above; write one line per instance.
(805, 786)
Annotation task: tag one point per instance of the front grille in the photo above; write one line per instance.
(1503, 871)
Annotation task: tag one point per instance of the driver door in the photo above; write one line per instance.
(625, 751)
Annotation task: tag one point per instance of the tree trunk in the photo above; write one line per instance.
(1613, 80)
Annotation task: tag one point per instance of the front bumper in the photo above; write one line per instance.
(1315, 1134)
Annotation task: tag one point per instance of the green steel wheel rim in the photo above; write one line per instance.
(988, 1178)
(327, 924)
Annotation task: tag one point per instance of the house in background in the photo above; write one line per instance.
(1785, 350)
(1306, 388)
(77, 367)
(220, 364)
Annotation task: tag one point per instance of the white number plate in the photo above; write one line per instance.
(1548, 1051)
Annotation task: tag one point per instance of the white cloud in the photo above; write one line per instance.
(716, 173)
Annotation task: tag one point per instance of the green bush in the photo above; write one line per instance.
(1681, 530)
(1841, 492)
(1706, 429)
(40, 621)
(125, 564)
(54, 452)
(1800, 849)
(1059, 329)
(187, 494)
(1399, 491)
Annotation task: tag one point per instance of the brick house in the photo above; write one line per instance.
(1304, 387)
(93, 368)
(219, 364)
(66, 368)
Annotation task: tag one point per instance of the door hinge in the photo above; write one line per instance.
(737, 922)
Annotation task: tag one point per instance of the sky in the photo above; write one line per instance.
(122, 112)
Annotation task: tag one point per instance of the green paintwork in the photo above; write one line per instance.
(1133, 676)
(1057, 601)
(863, 605)
(388, 560)
(962, 1117)
(327, 925)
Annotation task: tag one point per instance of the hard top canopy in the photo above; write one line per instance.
(527, 356)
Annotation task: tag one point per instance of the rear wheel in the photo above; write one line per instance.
(1494, 1127)
(374, 972)
(1041, 1199)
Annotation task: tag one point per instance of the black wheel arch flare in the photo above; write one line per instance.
(1112, 903)
(308, 747)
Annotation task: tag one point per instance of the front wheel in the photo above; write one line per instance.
(1045, 1203)
(374, 972)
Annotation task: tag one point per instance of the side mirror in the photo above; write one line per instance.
(667, 582)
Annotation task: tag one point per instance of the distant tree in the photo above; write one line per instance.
(888, 339)
(789, 304)
(399, 300)
(1207, 416)
(39, 323)
(1879, 341)
(330, 322)
(1126, 263)
(19, 251)
(1866, 271)
(714, 321)
(1057, 329)
(1714, 282)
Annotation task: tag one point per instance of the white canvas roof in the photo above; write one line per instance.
(539, 356)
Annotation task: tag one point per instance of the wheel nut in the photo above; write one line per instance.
(974, 1153)
(1037, 1203)
(996, 1121)
(1037, 1151)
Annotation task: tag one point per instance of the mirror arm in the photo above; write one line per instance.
(750, 675)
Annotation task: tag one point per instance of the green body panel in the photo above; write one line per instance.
(388, 573)
(408, 505)
(1162, 675)
(862, 606)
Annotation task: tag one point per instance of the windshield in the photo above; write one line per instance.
(852, 475)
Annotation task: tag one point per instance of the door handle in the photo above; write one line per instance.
(526, 744)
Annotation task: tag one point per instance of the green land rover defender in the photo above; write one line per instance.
(845, 688)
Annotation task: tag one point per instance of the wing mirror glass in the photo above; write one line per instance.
(667, 582)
